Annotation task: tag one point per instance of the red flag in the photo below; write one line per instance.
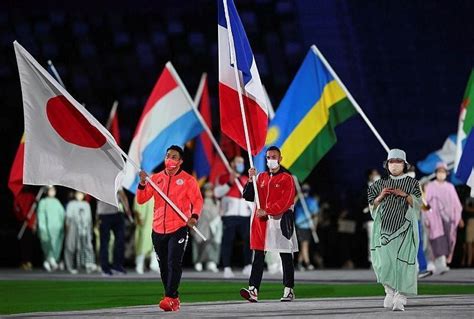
(204, 151)
(15, 182)
(113, 124)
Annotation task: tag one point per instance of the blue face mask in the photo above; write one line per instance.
(240, 168)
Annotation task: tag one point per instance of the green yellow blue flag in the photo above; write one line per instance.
(304, 123)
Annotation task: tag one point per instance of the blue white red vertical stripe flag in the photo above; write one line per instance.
(235, 51)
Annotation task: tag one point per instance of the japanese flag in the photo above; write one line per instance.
(65, 145)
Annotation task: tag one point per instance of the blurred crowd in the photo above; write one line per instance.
(79, 234)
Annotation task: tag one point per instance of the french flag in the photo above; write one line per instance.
(168, 118)
(232, 41)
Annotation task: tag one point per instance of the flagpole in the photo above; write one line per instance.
(233, 59)
(306, 210)
(112, 114)
(349, 96)
(30, 212)
(55, 73)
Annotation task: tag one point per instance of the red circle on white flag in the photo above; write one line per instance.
(71, 125)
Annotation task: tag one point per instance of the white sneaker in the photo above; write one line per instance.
(61, 266)
(288, 295)
(47, 266)
(212, 267)
(198, 267)
(90, 267)
(53, 264)
(247, 270)
(389, 296)
(140, 264)
(250, 294)
(228, 273)
(399, 302)
(73, 271)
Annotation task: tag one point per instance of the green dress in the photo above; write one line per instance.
(51, 227)
(143, 243)
(395, 240)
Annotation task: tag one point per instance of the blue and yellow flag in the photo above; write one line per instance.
(304, 123)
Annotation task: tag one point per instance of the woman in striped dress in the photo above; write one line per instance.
(394, 203)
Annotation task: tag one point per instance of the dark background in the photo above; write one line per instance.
(406, 63)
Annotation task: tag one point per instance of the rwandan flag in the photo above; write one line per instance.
(203, 152)
(304, 123)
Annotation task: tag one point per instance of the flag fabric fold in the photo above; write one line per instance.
(466, 117)
(305, 121)
(234, 47)
(204, 151)
(168, 118)
(15, 180)
(446, 154)
(64, 144)
(465, 171)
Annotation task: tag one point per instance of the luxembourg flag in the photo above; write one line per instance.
(234, 48)
(168, 119)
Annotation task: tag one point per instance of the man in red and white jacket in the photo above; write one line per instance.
(273, 224)
(170, 231)
(235, 212)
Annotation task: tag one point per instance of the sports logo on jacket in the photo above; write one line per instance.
(180, 182)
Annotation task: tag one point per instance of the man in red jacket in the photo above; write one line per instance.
(170, 231)
(273, 224)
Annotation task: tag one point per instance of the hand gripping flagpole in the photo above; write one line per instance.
(312, 226)
(350, 97)
(233, 60)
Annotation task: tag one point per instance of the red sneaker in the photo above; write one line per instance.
(170, 304)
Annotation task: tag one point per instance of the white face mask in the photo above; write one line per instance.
(395, 168)
(272, 163)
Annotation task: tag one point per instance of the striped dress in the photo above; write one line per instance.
(394, 244)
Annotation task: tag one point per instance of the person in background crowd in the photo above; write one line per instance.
(468, 258)
(21, 207)
(303, 226)
(395, 203)
(443, 218)
(78, 251)
(51, 229)
(143, 243)
(235, 213)
(111, 218)
(210, 225)
(373, 175)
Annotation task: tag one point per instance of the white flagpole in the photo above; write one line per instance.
(349, 96)
(233, 59)
(112, 114)
(306, 210)
(55, 73)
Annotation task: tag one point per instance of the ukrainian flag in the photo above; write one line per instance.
(304, 123)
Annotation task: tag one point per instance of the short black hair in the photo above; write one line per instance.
(177, 149)
(273, 148)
